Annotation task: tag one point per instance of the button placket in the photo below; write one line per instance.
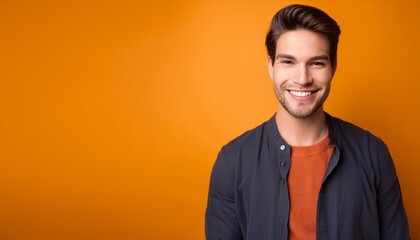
(283, 163)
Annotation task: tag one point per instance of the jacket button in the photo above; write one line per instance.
(283, 164)
(282, 147)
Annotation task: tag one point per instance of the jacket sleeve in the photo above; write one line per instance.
(392, 216)
(221, 219)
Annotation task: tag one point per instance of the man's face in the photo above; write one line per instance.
(301, 72)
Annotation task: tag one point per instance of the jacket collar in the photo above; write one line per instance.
(332, 129)
(276, 138)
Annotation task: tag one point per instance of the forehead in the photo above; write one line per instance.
(302, 43)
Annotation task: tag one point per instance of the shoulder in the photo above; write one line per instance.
(233, 153)
(244, 149)
(248, 140)
(357, 145)
(363, 147)
(347, 133)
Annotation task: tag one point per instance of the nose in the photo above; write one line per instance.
(303, 76)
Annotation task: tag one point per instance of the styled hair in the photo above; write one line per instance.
(294, 17)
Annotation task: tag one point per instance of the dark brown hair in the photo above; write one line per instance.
(297, 16)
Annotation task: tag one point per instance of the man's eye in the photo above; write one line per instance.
(286, 61)
(318, 64)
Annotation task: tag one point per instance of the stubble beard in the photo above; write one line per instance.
(301, 111)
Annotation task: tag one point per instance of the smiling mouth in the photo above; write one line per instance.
(302, 93)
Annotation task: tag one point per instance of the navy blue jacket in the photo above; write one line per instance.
(360, 197)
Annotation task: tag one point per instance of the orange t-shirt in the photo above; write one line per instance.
(308, 166)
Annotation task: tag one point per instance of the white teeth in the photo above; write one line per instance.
(300, 94)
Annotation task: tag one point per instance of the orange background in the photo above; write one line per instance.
(112, 112)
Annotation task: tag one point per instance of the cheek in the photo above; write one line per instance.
(323, 77)
(278, 80)
(280, 76)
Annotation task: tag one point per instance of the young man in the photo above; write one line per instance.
(304, 174)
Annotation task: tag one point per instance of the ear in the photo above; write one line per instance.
(270, 67)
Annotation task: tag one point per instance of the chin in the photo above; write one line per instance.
(303, 113)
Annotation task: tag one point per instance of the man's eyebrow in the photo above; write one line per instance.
(320, 57)
(282, 55)
(287, 56)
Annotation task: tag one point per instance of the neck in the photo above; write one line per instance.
(302, 131)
